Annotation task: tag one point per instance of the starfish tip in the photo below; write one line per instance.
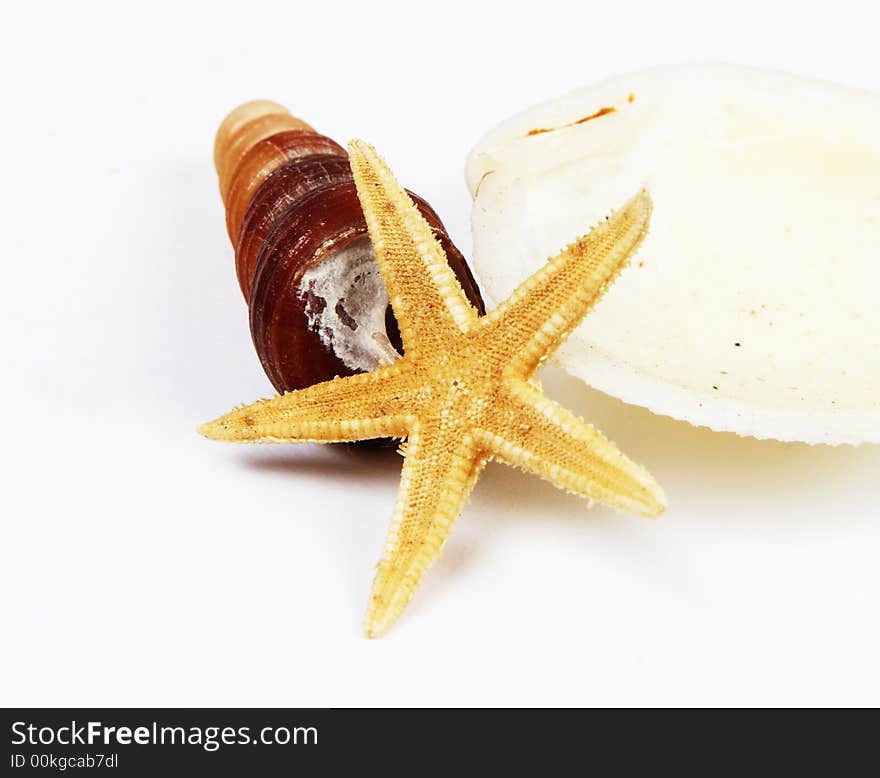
(657, 510)
(214, 430)
(359, 147)
(375, 629)
(653, 504)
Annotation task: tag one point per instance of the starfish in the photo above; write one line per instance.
(463, 393)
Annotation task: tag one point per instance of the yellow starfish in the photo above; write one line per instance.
(463, 392)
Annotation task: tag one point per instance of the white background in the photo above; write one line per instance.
(143, 565)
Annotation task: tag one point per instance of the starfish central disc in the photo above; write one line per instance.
(463, 393)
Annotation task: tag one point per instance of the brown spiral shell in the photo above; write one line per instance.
(318, 307)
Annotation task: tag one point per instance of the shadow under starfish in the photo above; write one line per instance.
(463, 394)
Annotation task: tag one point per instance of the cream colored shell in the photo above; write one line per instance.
(754, 304)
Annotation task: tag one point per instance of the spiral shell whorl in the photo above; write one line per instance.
(318, 306)
(244, 127)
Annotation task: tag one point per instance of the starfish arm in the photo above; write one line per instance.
(359, 407)
(424, 292)
(541, 437)
(439, 472)
(548, 305)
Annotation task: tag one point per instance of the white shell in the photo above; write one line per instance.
(754, 304)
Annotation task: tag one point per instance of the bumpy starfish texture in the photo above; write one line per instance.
(463, 392)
